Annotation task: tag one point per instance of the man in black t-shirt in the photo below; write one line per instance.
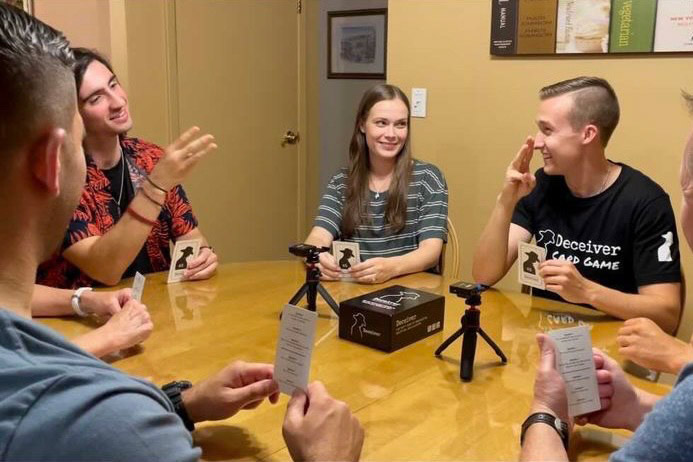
(608, 230)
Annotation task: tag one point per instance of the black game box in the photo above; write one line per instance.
(391, 318)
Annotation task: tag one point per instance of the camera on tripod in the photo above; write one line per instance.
(467, 289)
(312, 287)
(310, 252)
(470, 327)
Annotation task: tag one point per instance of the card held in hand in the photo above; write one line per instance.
(347, 255)
(529, 257)
(183, 252)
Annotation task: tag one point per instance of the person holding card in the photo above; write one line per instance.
(662, 432)
(127, 324)
(607, 230)
(133, 204)
(57, 401)
(393, 206)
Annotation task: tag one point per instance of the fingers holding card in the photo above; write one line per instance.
(183, 253)
(529, 258)
(347, 255)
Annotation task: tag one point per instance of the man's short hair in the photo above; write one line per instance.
(36, 84)
(594, 102)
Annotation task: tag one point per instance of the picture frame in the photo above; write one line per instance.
(357, 44)
(26, 5)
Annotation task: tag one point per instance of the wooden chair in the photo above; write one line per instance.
(449, 263)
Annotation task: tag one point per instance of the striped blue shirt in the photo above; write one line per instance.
(427, 212)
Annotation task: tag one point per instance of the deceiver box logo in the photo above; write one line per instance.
(391, 318)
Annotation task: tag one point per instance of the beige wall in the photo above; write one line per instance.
(86, 23)
(481, 108)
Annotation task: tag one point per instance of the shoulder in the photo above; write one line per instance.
(640, 184)
(430, 174)
(339, 179)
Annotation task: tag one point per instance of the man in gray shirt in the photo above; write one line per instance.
(57, 402)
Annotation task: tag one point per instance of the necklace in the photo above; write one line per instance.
(376, 190)
(122, 175)
(606, 178)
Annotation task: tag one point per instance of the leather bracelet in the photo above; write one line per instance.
(550, 420)
(139, 217)
(149, 180)
(76, 298)
(151, 199)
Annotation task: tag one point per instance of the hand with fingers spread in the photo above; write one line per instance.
(329, 269)
(105, 303)
(519, 181)
(319, 428)
(645, 343)
(563, 278)
(180, 157)
(204, 266)
(374, 270)
(238, 386)
(128, 327)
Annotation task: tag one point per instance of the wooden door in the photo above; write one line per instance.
(237, 77)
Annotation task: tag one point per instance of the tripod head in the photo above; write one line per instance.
(470, 292)
(310, 252)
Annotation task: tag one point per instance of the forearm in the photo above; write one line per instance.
(97, 342)
(319, 237)
(195, 234)
(687, 216)
(421, 259)
(105, 258)
(662, 309)
(49, 301)
(491, 255)
(542, 443)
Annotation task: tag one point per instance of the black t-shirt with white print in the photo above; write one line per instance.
(622, 238)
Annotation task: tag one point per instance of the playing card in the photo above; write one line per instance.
(529, 258)
(138, 287)
(575, 362)
(294, 348)
(183, 252)
(347, 255)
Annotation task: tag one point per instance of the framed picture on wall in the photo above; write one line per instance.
(26, 5)
(357, 44)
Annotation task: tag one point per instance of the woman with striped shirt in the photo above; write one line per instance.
(394, 206)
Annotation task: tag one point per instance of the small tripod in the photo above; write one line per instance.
(470, 327)
(312, 286)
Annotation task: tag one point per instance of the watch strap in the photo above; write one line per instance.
(550, 420)
(75, 300)
(173, 390)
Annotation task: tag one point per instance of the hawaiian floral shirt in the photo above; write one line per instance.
(98, 212)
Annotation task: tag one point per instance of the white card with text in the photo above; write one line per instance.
(529, 257)
(294, 348)
(138, 286)
(575, 362)
(183, 252)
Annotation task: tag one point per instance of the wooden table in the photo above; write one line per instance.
(412, 405)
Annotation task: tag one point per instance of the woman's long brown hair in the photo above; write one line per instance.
(357, 195)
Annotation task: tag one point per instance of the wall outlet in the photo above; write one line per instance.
(418, 102)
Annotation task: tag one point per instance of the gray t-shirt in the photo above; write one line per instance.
(59, 403)
(427, 212)
(666, 434)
